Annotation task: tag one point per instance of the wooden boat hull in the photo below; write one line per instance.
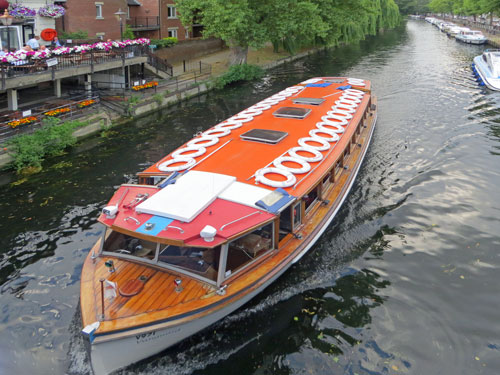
(148, 331)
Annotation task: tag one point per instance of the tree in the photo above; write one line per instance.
(252, 23)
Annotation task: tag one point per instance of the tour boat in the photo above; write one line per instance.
(487, 68)
(216, 221)
(471, 37)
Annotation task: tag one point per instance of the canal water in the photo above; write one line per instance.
(405, 281)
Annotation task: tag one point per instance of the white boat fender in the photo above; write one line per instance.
(242, 118)
(353, 98)
(318, 156)
(324, 144)
(165, 166)
(355, 92)
(260, 177)
(198, 151)
(344, 103)
(90, 329)
(304, 165)
(342, 108)
(205, 141)
(331, 135)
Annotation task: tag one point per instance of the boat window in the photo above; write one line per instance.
(311, 198)
(202, 261)
(245, 249)
(327, 180)
(119, 243)
(285, 223)
(297, 215)
(292, 112)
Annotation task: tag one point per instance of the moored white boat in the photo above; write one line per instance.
(471, 37)
(216, 221)
(487, 68)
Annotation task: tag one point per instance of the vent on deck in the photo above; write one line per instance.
(264, 136)
(308, 101)
(292, 112)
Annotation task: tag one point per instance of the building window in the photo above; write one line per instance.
(128, 13)
(100, 35)
(172, 12)
(98, 9)
(186, 35)
(172, 33)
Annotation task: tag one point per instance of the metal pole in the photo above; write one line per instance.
(121, 28)
(8, 38)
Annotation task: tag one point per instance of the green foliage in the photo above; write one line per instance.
(243, 72)
(158, 98)
(128, 33)
(165, 42)
(50, 140)
(288, 23)
(79, 34)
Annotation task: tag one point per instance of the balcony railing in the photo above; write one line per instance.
(144, 22)
(39, 66)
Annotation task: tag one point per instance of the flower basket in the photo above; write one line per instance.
(21, 11)
(52, 11)
(145, 86)
(57, 112)
(23, 121)
(86, 103)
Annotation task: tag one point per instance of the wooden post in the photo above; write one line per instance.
(102, 298)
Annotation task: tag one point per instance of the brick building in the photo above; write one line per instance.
(95, 17)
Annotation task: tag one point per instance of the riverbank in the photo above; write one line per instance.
(104, 119)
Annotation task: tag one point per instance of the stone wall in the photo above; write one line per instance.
(190, 49)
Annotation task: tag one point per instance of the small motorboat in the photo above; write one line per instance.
(454, 30)
(216, 221)
(471, 37)
(487, 68)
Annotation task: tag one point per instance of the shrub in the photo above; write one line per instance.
(30, 150)
(165, 42)
(243, 72)
(128, 33)
(80, 34)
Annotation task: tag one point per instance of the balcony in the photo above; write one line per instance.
(144, 23)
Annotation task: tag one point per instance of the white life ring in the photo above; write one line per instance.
(318, 156)
(198, 152)
(250, 112)
(351, 98)
(259, 107)
(356, 83)
(304, 165)
(342, 108)
(241, 118)
(312, 80)
(203, 141)
(260, 177)
(358, 93)
(229, 125)
(278, 97)
(188, 162)
(344, 114)
(216, 132)
(337, 128)
(269, 101)
(329, 119)
(324, 144)
(345, 103)
(333, 137)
